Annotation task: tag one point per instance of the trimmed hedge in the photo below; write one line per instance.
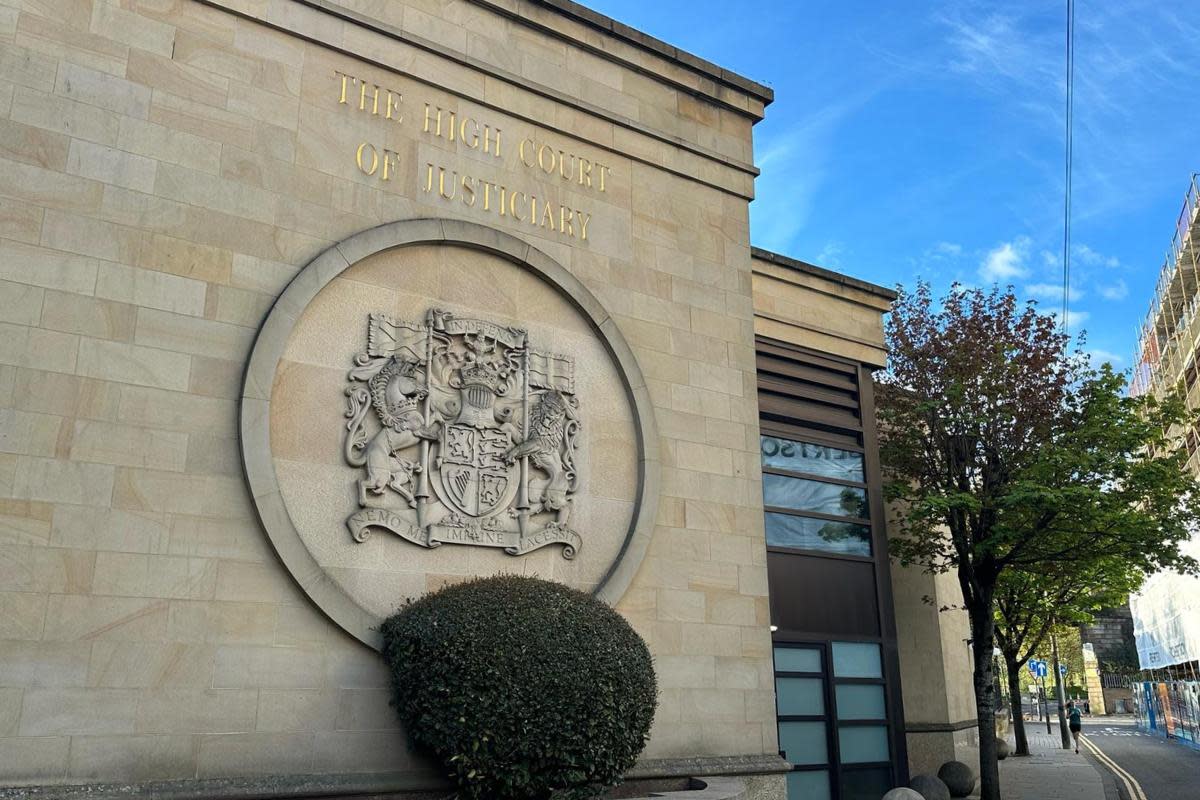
(524, 689)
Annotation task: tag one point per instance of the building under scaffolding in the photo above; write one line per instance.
(1169, 338)
(1166, 610)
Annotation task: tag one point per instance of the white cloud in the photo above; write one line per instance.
(938, 258)
(1052, 291)
(1006, 261)
(991, 46)
(1100, 356)
(1128, 64)
(1075, 319)
(795, 164)
(1118, 291)
(1086, 255)
(830, 255)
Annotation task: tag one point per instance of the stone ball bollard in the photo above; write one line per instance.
(958, 777)
(930, 787)
(1003, 750)
(903, 793)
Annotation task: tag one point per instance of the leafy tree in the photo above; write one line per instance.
(1070, 653)
(1005, 451)
(1030, 605)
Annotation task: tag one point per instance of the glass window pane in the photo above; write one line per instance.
(803, 743)
(797, 659)
(856, 701)
(784, 530)
(863, 743)
(808, 785)
(805, 495)
(865, 784)
(799, 696)
(811, 458)
(856, 660)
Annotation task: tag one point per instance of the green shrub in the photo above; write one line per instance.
(522, 688)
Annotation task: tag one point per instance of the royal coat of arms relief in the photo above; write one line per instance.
(465, 434)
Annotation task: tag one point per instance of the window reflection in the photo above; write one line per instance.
(812, 459)
(805, 495)
(806, 533)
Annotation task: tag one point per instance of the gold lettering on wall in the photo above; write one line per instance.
(525, 207)
(362, 163)
(448, 125)
(566, 165)
(356, 92)
(541, 209)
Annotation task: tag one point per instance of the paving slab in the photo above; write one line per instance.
(1051, 773)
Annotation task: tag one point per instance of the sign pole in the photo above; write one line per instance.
(1034, 701)
(1046, 703)
(1059, 671)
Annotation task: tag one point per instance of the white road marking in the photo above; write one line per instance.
(1131, 785)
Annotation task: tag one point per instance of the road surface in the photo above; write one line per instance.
(1154, 768)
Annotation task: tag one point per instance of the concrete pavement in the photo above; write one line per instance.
(1051, 773)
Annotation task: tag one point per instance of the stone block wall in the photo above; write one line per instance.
(1111, 635)
(935, 663)
(166, 168)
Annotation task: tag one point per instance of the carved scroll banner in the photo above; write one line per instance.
(473, 439)
(361, 523)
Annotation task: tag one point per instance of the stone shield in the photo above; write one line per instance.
(472, 473)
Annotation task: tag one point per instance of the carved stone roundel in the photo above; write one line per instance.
(449, 417)
(491, 417)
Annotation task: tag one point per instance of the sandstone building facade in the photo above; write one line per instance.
(284, 288)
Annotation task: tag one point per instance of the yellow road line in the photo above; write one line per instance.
(1131, 785)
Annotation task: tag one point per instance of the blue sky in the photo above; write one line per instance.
(923, 139)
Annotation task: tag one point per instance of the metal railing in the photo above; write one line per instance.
(1115, 680)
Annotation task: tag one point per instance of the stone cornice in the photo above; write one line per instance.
(524, 10)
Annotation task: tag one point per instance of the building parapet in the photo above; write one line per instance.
(814, 307)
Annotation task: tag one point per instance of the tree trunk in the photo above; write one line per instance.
(1014, 693)
(983, 637)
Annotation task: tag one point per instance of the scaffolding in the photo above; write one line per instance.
(1168, 352)
(1166, 609)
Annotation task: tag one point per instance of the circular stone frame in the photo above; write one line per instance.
(272, 339)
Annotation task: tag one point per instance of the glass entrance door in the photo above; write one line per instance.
(831, 708)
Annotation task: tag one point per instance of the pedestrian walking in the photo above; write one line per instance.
(1074, 722)
(1087, 707)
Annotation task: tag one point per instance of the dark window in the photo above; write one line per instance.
(829, 595)
(866, 784)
